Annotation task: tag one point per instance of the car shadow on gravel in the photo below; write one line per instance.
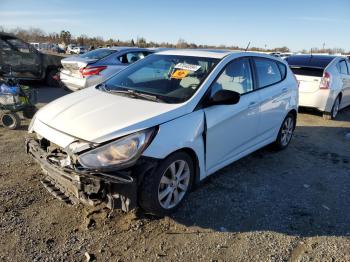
(303, 190)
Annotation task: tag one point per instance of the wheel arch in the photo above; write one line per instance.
(294, 113)
(194, 157)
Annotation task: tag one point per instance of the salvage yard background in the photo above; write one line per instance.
(293, 205)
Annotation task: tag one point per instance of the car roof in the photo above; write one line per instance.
(315, 61)
(210, 53)
(7, 35)
(124, 48)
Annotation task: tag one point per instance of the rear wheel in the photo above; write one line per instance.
(10, 120)
(164, 190)
(286, 132)
(335, 110)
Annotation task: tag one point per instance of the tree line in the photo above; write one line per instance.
(65, 37)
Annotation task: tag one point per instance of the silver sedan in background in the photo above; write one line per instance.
(96, 66)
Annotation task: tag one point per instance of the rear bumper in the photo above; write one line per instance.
(320, 99)
(74, 83)
(114, 189)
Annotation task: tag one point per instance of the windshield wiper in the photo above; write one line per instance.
(135, 94)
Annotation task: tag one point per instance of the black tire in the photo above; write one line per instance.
(49, 78)
(29, 112)
(280, 143)
(10, 120)
(335, 110)
(148, 191)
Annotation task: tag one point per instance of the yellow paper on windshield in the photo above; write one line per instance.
(180, 74)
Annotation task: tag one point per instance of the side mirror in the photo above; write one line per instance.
(225, 97)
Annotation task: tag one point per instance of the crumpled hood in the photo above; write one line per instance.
(97, 116)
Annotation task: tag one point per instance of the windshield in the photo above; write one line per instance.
(98, 53)
(171, 78)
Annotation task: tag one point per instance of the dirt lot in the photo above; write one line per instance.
(286, 206)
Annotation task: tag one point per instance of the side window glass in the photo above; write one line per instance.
(4, 46)
(133, 57)
(19, 45)
(146, 53)
(123, 59)
(342, 67)
(237, 76)
(267, 72)
(130, 58)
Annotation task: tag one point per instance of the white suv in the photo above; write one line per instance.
(324, 82)
(161, 125)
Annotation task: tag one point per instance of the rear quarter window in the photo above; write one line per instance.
(342, 67)
(267, 71)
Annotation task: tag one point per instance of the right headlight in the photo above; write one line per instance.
(119, 152)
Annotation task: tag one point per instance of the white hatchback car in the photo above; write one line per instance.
(324, 82)
(161, 125)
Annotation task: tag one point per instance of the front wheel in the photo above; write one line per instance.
(163, 190)
(286, 132)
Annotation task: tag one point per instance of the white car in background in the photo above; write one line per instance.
(324, 82)
(78, 50)
(96, 66)
(149, 133)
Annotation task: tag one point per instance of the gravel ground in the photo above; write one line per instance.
(270, 206)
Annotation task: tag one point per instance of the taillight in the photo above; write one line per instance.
(91, 70)
(325, 81)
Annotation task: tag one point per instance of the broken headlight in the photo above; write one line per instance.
(119, 152)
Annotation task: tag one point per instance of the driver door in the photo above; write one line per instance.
(232, 129)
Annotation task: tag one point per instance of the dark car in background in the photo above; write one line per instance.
(26, 62)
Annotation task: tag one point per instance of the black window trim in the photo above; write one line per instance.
(273, 60)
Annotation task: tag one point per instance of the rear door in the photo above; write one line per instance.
(345, 80)
(274, 94)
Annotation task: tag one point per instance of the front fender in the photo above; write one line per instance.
(183, 132)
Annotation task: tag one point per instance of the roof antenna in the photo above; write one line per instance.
(311, 52)
(246, 49)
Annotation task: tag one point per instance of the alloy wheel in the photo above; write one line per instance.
(174, 184)
(287, 131)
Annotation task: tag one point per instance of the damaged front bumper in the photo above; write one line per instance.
(116, 189)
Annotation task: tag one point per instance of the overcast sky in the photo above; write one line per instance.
(298, 24)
